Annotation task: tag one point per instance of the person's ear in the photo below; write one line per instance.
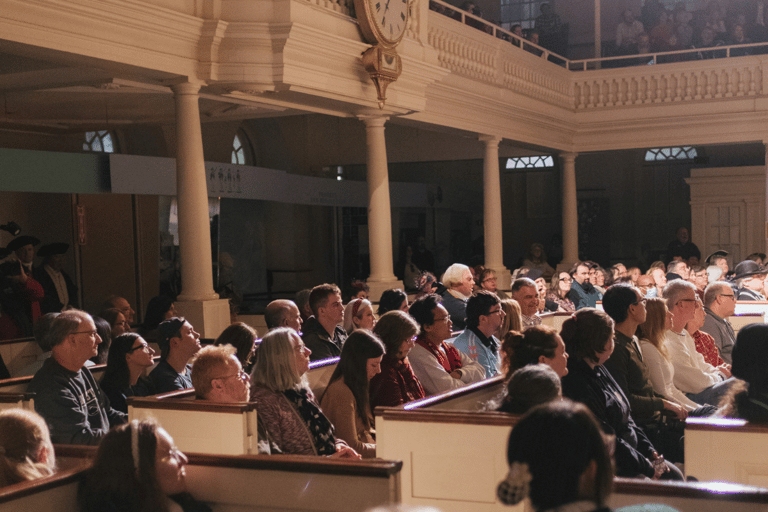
(542, 359)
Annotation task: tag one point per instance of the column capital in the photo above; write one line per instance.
(568, 155)
(185, 87)
(373, 121)
(489, 139)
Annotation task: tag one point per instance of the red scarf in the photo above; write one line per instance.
(449, 363)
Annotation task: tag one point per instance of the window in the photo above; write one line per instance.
(520, 12)
(676, 153)
(242, 152)
(531, 162)
(100, 141)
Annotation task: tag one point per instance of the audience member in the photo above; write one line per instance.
(720, 260)
(700, 381)
(302, 302)
(459, 283)
(626, 34)
(428, 284)
(321, 332)
(396, 384)
(559, 458)
(422, 257)
(287, 407)
(705, 343)
(178, 343)
(59, 291)
(719, 304)
(484, 317)
(243, 337)
(535, 345)
(582, 294)
(749, 277)
(525, 293)
(117, 302)
(698, 276)
(118, 325)
(536, 259)
(26, 452)
(682, 246)
(137, 467)
(346, 401)
(588, 337)
(683, 29)
(528, 387)
(558, 292)
(678, 269)
(635, 274)
(653, 343)
(548, 25)
(392, 300)
(358, 315)
(714, 273)
(218, 376)
(358, 290)
(41, 330)
(438, 365)
(105, 333)
(545, 305)
(737, 36)
(659, 281)
(747, 399)
(646, 285)
(66, 394)
(283, 313)
(662, 34)
(159, 308)
(25, 294)
(488, 281)
(513, 318)
(129, 356)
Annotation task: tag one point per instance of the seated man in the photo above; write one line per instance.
(646, 285)
(119, 303)
(178, 343)
(750, 277)
(283, 313)
(66, 394)
(459, 283)
(582, 294)
(719, 304)
(678, 269)
(484, 316)
(525, 293)
(218, 376)
(699, 380)
(322, 333)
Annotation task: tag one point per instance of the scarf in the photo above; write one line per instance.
(319, 427)
(449, 363)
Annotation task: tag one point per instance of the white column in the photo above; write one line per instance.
(492, 227)
(765, 230)
(379, 215)
(197, 300)
(570, 212)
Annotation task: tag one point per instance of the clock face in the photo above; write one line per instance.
(388, 19)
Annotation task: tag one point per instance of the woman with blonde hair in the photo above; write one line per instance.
(26, 452)
(358, 315)
(513, 319)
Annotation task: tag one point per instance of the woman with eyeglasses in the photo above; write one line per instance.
(396, 384)
(559, 288)
(129, 356)
(346, 400)
(138, 469)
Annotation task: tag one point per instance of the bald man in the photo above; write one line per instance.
(283, 313)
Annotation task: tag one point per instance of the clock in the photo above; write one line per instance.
(382, 22)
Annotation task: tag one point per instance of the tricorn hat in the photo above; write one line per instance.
(721, 253)
(21, 241)
(748, 268)
(52, 249)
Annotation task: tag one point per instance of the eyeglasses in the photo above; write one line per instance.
(241, 374)
(500, 311)
(89, 333)
(641, 301)
(566, 279)
(490, 279)
(685, 300)
(441, 319)
(728, 295)
(174, 454)
(140, 347)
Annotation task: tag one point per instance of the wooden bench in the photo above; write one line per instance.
(199, 425)
(253, 483)
(17, 401)
(19, 384)
(555, 320)
(319, 374)
(728, 450)
(692, 496)
(19, 353)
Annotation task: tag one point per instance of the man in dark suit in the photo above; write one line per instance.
(60, 290)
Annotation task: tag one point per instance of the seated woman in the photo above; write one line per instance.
(396, 384)
(105, 333)
(346, 399)
(513, 318)
(137, 468)
(438, 365)
(26, 452)
(358, 315)
(558, 291)
(286, 406)
(652, 334)
(588, 336)
(528, 387)
(748, 399)
(124, 376)
(487, 280)
(558, 456)
(117, 322)
(392, 300)
(537, 259)
(159, 308)
(243, 338)
(538, 344)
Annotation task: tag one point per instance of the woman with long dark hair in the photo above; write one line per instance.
(346, 399)
(159, 308)
(396, 384)
(243, 338)
(129, 356)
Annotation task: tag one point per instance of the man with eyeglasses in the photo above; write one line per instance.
(719, 304)
(699, 380)
(218, 376)
(75, 408)
(484, 317)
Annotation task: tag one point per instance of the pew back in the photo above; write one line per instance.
(201, 426)
(697, 496)
(319, 374)
(19, 353)
(17, 401)
(19, 384)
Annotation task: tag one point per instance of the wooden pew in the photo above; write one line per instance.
(728, 450)
(18, 353)
(252, 483)
(199, 425)
(555, 319)
(692, 496)
(17, 401)
(319, 375)
(19, 384)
